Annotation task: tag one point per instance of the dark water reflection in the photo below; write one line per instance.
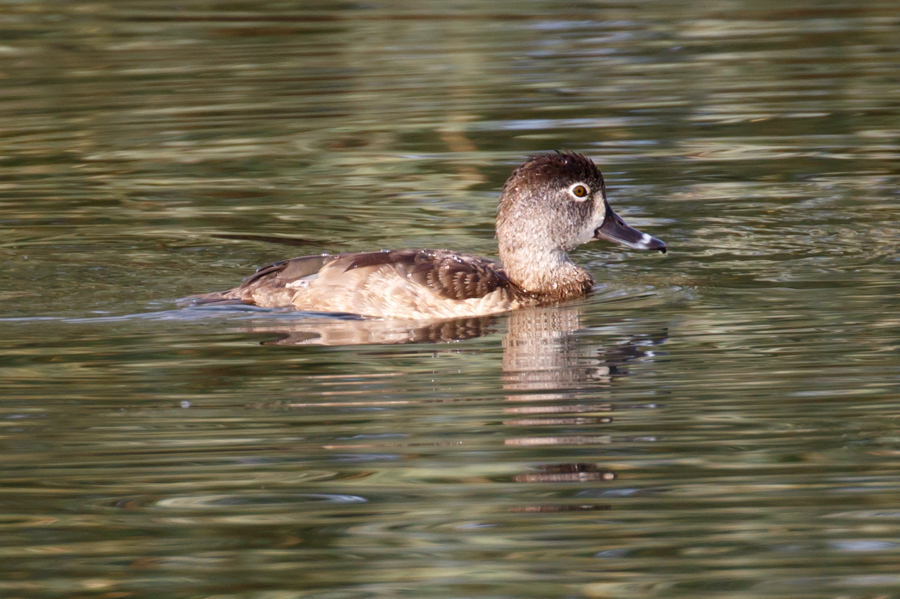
(721, 420)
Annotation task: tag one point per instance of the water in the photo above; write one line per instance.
(718, 421)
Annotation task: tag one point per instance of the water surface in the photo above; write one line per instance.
(718, 421)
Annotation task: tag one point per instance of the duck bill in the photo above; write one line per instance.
(617, 230)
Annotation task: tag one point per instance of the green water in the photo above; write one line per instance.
(721, 421)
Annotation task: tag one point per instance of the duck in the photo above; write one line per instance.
(551, 204)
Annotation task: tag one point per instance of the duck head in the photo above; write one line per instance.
(556, 202)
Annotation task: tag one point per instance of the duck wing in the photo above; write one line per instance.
(450, 275)
(398, 282)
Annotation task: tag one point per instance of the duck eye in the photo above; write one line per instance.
(578, 190)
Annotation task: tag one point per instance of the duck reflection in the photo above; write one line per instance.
(555, 376)
(541, 351)
(552, 373)
(540, 347)
(360, 331)
(547, 355)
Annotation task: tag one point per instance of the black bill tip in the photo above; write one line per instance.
(618, 231)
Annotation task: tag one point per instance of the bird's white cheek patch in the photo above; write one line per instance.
(586, 235)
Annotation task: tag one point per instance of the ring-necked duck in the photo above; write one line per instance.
(550, 205)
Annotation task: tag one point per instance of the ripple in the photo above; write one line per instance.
(256, 501)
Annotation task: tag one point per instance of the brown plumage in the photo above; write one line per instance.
(550, 205)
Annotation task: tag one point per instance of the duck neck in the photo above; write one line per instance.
(548, 274)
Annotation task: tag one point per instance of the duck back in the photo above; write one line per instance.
(396, 284)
